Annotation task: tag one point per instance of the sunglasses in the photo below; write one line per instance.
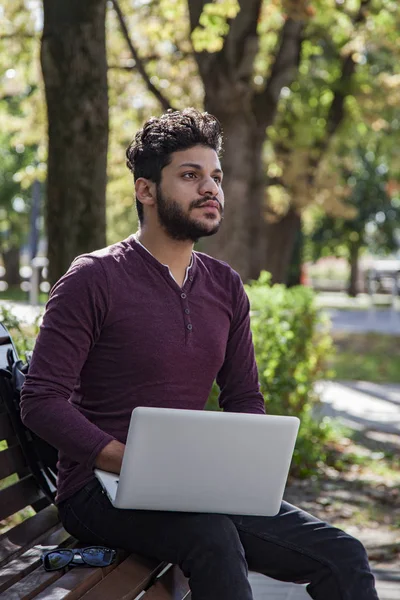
(93, 556)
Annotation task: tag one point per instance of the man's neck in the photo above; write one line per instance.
(176, 254)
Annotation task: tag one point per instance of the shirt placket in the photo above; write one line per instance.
(187, 315)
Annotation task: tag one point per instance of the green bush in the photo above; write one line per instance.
(23, 334)
(292, 343)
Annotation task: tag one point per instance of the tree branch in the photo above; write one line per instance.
(19, 35)
(132, 64)
(241, 43)
(283, 71)
(336, 109)
(139, 64)
(275, 181)
(195, 8)
(112, 67)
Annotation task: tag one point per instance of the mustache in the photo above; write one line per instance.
(199, 203)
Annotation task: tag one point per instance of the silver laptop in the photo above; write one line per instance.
(203, 461)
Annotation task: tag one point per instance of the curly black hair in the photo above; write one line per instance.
(151, 149)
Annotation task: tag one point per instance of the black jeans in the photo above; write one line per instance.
(215, 551)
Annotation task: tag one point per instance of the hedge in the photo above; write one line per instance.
(292, 344)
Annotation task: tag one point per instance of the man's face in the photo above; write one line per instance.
(190, 200)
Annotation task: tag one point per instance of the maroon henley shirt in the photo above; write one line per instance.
(119, 332)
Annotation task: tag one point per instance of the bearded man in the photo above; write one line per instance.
(151, 322)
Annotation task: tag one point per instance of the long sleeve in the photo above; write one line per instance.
(71, 324)
(238, 377)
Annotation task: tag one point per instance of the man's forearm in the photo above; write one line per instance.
(110, 457)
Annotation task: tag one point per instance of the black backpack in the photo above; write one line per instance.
(40, 456)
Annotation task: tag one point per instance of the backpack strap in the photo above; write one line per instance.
(11, 381)
(47, 455)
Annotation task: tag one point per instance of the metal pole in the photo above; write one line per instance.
(35, 215)
(33, 244)
(395, 291)
(34, 289)
(37, 264)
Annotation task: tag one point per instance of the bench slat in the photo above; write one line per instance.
(31, 585)
(15, 541)
(171, 586)
(6, 429)
(74, 584)
(12, 461)
(126, 581)
(19, 495)
(31, 559)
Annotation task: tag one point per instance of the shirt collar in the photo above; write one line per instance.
(136, 238)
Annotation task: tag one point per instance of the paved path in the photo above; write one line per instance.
(362, 321)
(363, 405)
(268, 589)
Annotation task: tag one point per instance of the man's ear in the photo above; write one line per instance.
(145, 191)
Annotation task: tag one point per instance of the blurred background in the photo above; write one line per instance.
(308, 95)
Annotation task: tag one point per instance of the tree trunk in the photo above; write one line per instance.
(352, 289)
(296, 261)
(281, 239)
(239, 240)
(73, 58)
(11, 264)
(245, 113)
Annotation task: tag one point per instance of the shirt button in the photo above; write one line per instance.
(187, 311)
(189, 326)
(183, 296)
(190, 278)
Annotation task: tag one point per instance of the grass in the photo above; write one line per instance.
(371, 357)
(15, 294)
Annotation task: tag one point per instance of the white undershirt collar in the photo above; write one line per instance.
(187, 270)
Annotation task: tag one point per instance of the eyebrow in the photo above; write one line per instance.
(198, 167)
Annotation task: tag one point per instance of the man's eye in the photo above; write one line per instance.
(218, 180)
(189, 175)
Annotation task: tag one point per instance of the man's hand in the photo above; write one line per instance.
(110, 458)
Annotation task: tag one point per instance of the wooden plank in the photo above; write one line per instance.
(171, 586)
(6, 429)
(126, 581)
(40, 504)
(31, 585)
(15, 541)
(77, 582)
(74, 584)
(18, 495)
(11, 461)
(31, 558)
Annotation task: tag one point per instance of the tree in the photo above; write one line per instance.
(312, 71)
(311, 115)
(245, 110)
(73, 58)
(267, 71)
(222, 40)
(21, 146)
(376, 215)
(14, 207)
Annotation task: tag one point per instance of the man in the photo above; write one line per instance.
(150, 322)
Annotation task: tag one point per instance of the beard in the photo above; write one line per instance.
(178, 224)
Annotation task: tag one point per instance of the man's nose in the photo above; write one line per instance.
(208, 186)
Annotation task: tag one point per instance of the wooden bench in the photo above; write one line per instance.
(22, 575)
